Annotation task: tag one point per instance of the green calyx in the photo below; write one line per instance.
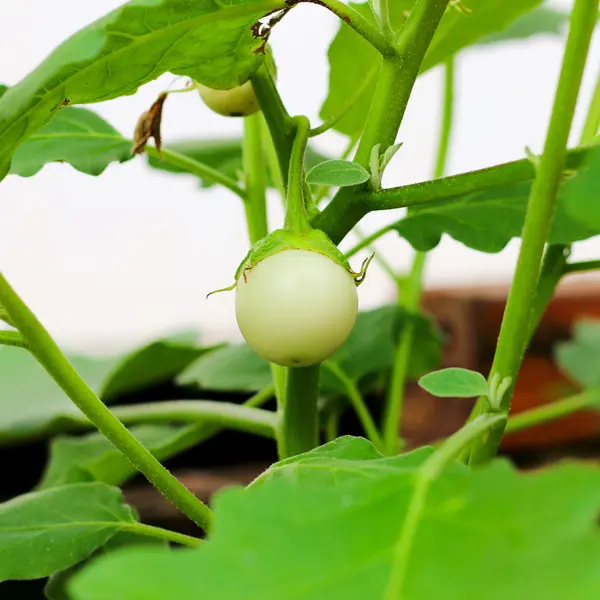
(283, 239)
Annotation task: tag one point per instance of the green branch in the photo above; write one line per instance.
(581, 267)
(212, 413)
(48, 354)
(12, 338)
(162, 534)
(515, 323)
(194, 167)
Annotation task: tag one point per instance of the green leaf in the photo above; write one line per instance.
(32, 405)
(232, 368)
(223, 155)
(349, 520)
(579, 358)
(93, 458)
(209, 41)
(454, 383)
(56, 587)
(338, 173)
(582, 192)
(48, 531)
(354, 64)
(76, 136)
(541, 20)
(486, 221)
(158, 363)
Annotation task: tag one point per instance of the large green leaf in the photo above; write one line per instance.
(579, 358)
(93, 458)
(582, 192)
(224, 155)
(208, 40)
(45, 532)
(354, 64)
(343, 523)
(541, 20)
(32, 405)
(486, 221)
(76, 136)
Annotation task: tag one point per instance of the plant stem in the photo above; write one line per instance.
(296, 217)
(378, 258)
(255, 174)
(396, 81)
(515, 323)
(272, 160)
(195, 167)
(162, 534)
(358, 403)
(580, 267)
(278, 120)
(12, 338)
(48, 354)
(366, 29)
(554, 410)
(368, 240)
(300, 427)
(592, 122)
(410, 296)
(212, 413)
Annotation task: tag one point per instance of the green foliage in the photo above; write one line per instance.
(32, 405)
(337, 173)
(541, 20)
(212, 42)
(93, 458)
(351, 521)
(75, 136)
(579, 358)
(354, 64)
(224, 155)
(582, 192)
(44, 532)
(486, 221)
(454, 383)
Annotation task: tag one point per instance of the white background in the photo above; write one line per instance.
(113, 261)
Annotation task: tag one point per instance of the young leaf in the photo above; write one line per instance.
(353, 521)
(354, 64)
(212, 42)
(582, 192)
(76, 136)
(337, 173)
(225, 155)
(486, 221)
(454, 383)
(579, 358)
(45, 532)
(93, 458)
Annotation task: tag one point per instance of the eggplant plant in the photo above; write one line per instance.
(337, 516)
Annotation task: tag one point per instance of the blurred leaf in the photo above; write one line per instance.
(351, 521)
(76, 136)
(582, 192)
(224, 155)
(211, 42)
(56, 587)
(454, 383)
(48, 531)
(155, 364)
(354, 64)
(541, 20)
(232, 368)
(32, 405)
(92, 457)
(579, 358)
(338, 173)
(486, 221)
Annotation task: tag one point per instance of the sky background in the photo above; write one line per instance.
(110, 262)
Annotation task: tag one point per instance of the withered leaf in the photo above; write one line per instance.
(148, 126)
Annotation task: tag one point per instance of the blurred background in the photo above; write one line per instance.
(110, 262)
